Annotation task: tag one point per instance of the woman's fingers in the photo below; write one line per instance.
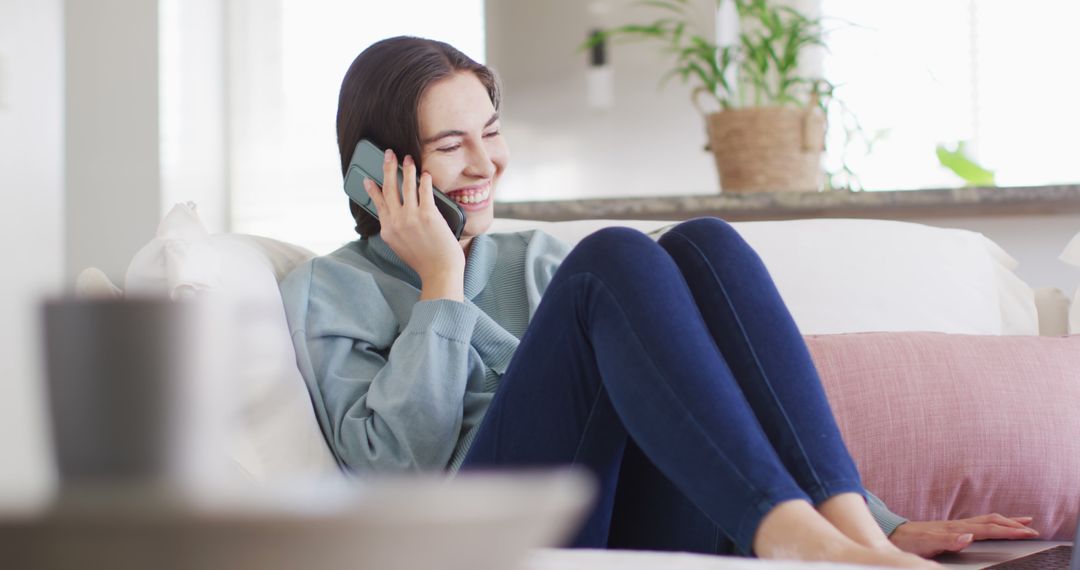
(1013, 522)
(1018, 522)
(375, 193)
(930, 538)
(409, 190)
(390, 192)
(427, 193)
(995, 526)
(990, 531)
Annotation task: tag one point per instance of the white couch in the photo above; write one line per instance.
(836, 276)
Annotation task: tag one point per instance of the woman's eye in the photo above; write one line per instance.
(454, 147)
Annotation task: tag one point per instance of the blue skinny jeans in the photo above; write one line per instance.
(673, 371)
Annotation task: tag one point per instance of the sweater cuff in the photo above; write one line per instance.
(453, 320)
(885, 518)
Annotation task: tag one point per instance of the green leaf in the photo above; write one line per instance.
(691, 53)
(676, 7)
(692, 68)
(678, 33)
(771, 20)
(793, 14)
(770, 52)
(964, 166)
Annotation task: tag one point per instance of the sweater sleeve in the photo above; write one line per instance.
(886, 519)
(386, 401)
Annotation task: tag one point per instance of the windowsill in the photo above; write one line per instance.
(894, 205)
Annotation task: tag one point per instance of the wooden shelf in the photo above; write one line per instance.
(896, 205)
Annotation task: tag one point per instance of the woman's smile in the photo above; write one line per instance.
(472, 198)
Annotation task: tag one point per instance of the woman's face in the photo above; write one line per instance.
(461, 146)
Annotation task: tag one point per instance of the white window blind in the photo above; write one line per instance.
(1001, 76)
(287, 60)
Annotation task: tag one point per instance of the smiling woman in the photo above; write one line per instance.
(453, 135)
(423, 352)
(286, 61)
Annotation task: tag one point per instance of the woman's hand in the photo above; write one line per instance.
(930, 538)
(414, 229)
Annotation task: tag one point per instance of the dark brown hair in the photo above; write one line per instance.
(380, 99)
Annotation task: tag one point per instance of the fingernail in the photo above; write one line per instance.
(388, 155)
(1032, 532)
(966, 538)
(408, 160)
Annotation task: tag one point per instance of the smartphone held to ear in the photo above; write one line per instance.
(367, 162)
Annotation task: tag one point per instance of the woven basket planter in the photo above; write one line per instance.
(768, 149)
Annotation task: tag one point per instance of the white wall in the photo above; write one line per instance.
(113, 166)
(192, 88)
(31, 232)
(145, 123)
(650, 142)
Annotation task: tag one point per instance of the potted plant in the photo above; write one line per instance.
(768, 132)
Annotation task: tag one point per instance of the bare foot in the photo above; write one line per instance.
(895, 559)
(794, 530)
(850, 515)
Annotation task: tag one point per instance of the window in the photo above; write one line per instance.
(287, 59)
(998, 75)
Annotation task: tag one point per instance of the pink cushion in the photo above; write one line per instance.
(952, 426)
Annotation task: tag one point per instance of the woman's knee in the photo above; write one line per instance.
(708, 228)
(706, 234)
(615, 241)
(614, 236)
(615, 248)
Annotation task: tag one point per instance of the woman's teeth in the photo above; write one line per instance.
(473, 198)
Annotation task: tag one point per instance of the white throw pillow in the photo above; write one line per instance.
(277, 435)
(93, 283)
(848, 275)
(852, 275)
(1071, 255)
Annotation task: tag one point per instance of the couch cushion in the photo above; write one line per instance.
(1071, 255)
(844, 275)
(1053, 307)
(949, 426)
(276, 435)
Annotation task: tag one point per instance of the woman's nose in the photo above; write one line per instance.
(479, 163)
